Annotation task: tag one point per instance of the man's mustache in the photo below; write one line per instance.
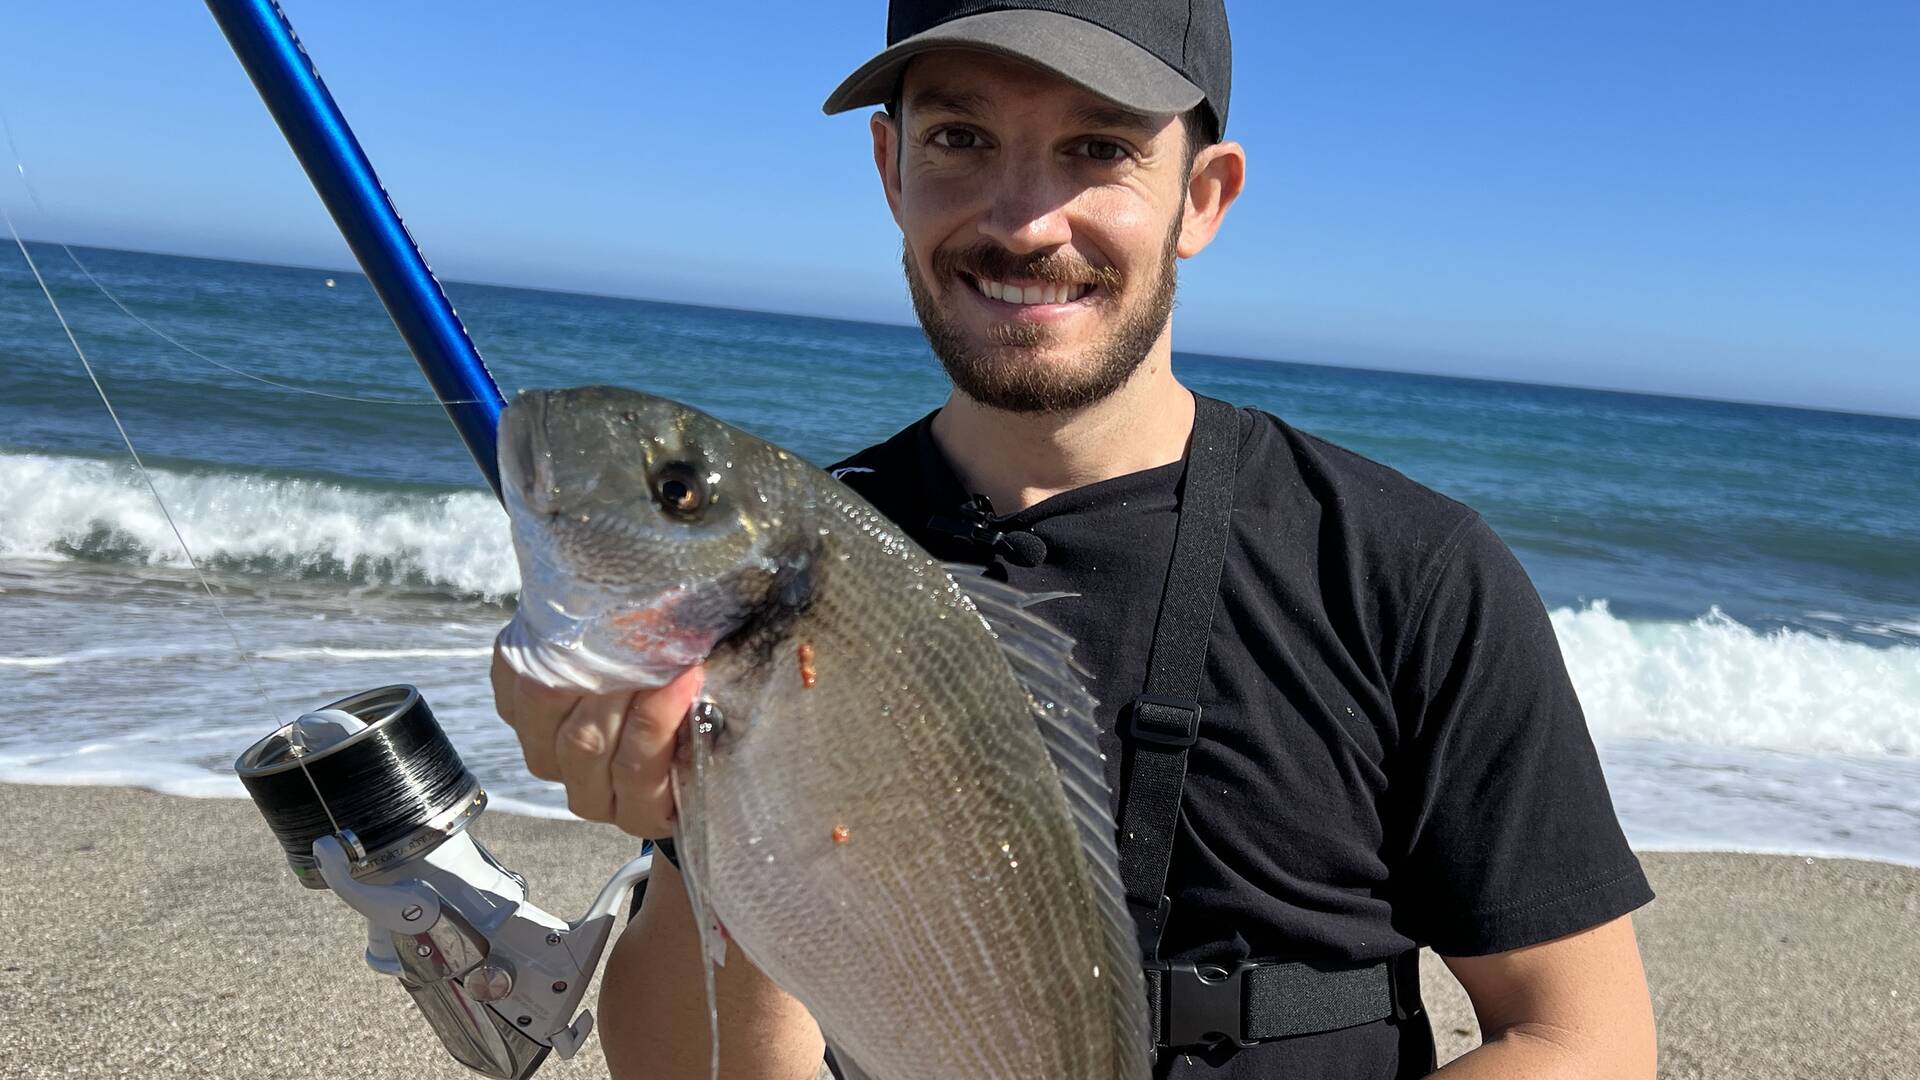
(995, 263)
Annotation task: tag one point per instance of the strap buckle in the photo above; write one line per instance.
(1204, 1006)
(1164, 720)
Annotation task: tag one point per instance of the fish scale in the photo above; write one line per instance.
(907, 829)
(880, 823)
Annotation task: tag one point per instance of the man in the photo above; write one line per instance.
(1389, 753)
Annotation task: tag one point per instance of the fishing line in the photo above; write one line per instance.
(399, 783)
(297, 746)
(191, 351)
(33, 195)
(693, 853)
(246, 660)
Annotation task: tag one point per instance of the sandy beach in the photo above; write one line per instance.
(153, 936)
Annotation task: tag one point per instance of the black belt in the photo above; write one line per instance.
(1197, 1005)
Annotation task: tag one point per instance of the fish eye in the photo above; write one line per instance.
(679, 489)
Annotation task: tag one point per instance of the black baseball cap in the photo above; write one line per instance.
(1152, 56)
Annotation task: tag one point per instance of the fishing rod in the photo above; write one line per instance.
(366, 796)
(288, 82)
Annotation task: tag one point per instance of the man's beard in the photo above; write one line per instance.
(1004, 373)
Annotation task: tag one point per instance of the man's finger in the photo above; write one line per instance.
(583, 748)
(501, 675)
(534, 711)
(643, 756)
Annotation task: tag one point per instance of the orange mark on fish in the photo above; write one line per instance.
(646, 629)
(643, 627)
(842, 834)
(807, 674)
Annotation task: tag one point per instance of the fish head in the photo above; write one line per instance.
(647, 533)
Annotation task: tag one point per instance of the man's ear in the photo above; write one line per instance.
(886, 158)
(1219, 174)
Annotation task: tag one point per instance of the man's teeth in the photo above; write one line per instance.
(1031, 294)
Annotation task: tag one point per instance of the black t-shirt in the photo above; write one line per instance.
(1391, 754)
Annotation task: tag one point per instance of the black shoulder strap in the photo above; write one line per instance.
(1162, 723)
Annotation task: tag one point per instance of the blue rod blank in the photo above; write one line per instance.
(265, 44)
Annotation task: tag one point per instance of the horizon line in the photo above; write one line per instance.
(1620, 391)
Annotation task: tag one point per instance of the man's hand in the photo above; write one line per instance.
(613, 753)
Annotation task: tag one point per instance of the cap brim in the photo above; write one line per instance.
(1076, 50)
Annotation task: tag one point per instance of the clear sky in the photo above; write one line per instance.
(1714, 199)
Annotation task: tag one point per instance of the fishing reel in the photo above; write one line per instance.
(370, 800)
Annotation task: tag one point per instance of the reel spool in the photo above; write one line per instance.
(374, 769)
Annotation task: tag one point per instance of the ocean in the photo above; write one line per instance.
(1736, 587)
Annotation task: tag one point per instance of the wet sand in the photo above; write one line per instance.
(144, 935)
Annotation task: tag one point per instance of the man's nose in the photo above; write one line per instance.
(1026, 212)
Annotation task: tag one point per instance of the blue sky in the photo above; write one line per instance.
(1713, 199)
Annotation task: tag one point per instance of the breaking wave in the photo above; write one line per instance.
(61, 508)
(1712, 681)
(1715, 681)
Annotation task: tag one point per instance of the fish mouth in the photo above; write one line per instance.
(531, 652)
(526, 465)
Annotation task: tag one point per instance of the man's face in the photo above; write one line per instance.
(1041, 225)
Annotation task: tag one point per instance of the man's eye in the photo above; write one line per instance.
(1104, 150)
(955, 139)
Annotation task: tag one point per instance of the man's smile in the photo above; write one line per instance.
(1028, 299)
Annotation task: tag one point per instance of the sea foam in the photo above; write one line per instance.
(1714, 681)
(68, 507)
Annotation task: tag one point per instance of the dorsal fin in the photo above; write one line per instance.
(1041, 657)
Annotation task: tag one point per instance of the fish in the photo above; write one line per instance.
(891, 797)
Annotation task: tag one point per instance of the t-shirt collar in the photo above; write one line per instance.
(945, 488)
